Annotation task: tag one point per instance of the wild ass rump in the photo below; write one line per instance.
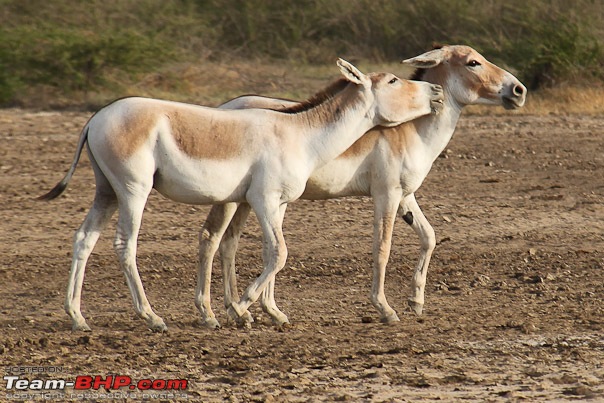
(388, 164)
(200, 155)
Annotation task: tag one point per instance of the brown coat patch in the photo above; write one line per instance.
(201, 136)
(131, 132)
(399, 138)
(363, 145)
(197, 133)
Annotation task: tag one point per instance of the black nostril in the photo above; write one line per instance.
(518, 90)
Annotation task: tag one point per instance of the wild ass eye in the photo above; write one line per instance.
(393, 80)
(473, 63)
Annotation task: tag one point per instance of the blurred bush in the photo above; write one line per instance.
(74, 46)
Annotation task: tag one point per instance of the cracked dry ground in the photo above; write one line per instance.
(514, 306)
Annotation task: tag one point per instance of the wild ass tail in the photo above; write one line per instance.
(62, 185)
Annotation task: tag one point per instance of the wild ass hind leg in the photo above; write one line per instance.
(412, 214)
(131, 206)
(85, 238)
(209, 239)
(385, 207)
(270, 215)
(228, 250)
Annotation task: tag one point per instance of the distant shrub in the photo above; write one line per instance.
(560, 51)
(73, 46)
(73, 59)
(548, 43)
(9, 85)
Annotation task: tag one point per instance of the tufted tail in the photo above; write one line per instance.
(62, 185)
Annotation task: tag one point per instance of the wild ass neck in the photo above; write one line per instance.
(436, 131)
(334, 125)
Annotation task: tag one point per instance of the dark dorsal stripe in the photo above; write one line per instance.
(319, 98)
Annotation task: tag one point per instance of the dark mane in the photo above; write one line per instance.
(319, 98)
(418, 74)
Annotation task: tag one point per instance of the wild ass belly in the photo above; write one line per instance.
(202, 182)
(222, 181)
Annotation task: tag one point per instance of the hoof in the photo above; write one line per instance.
(416, 307)
(279, 318)
(245, 320)
(283, 326)
(81, 327)
(393, 317)
(247, 317)
(281, 322)
(211, 323)
(244, 325)
(159, 327)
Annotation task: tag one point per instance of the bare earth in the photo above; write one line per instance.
(514, 301)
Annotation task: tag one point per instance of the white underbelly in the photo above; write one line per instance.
(202, 182)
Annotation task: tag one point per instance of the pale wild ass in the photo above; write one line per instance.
(200, 155)
(388, 164)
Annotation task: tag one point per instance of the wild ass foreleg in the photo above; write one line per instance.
(267, 302)
(228, 249)
(385, 207)
(128, 225)
(209, 239)
(274, 254)
(270, 306)
(412, 214)
(85, 238)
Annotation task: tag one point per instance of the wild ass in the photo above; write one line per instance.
(388, 164)
(200, 155)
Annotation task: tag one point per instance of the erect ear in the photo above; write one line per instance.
(426, 60)
(352, 73)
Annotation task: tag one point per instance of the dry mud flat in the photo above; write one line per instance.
(514, 301)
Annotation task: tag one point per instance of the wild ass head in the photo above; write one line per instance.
(396, 101)
(468, 77)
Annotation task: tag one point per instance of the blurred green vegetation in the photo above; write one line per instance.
(70, 47)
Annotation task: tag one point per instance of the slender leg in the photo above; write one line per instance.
(103, 207)
(385, 207)
(269, 305)
(412, 214)
(270, 215)
(131, 208)
(228, 250)
(209, 239)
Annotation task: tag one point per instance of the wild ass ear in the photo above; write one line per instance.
(352, 73)
(426, 60)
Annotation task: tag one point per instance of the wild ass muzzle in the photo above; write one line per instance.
(201, 155)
